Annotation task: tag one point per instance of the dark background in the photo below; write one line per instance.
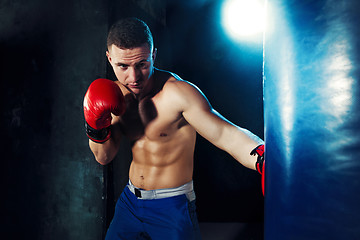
(50, 51)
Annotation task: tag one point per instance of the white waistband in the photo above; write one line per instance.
(187, 189)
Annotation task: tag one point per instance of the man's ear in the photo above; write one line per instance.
(154, 54)
(108, 56)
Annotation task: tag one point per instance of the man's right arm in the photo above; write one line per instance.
(103, 102)
(105, 152)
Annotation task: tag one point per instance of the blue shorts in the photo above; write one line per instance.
(155, 218)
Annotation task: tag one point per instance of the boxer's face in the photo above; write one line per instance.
(132, 67)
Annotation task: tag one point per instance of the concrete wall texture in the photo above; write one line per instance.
(52, 187)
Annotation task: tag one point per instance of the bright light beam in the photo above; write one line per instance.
(243, 18)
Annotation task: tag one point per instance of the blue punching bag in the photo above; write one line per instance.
(312, 119)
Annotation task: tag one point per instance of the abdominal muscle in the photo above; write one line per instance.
(164, 163)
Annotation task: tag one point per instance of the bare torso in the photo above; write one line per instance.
(162, 141)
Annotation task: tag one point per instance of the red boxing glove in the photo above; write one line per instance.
(260, 163)
(101, 99)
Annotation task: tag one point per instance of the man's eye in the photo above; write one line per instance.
(123, 66)
(142, 65)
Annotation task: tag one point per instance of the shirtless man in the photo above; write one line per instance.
(160, 114)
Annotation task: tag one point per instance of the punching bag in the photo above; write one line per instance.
(312, 119)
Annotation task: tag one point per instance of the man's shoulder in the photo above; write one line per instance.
(177, 88)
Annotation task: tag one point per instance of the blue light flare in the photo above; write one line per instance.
(243, 19)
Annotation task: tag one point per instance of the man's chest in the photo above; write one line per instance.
(154, 118)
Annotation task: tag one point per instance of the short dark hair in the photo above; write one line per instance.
(129, 33)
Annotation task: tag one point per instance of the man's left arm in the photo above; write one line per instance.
(237, 141)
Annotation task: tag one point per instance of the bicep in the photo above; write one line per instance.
(204, 119)
(210, 125)
(214, 127)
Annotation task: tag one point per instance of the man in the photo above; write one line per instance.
(160, 113)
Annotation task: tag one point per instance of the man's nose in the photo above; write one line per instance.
(133, 74)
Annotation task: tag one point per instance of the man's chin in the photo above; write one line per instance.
(136, 91)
